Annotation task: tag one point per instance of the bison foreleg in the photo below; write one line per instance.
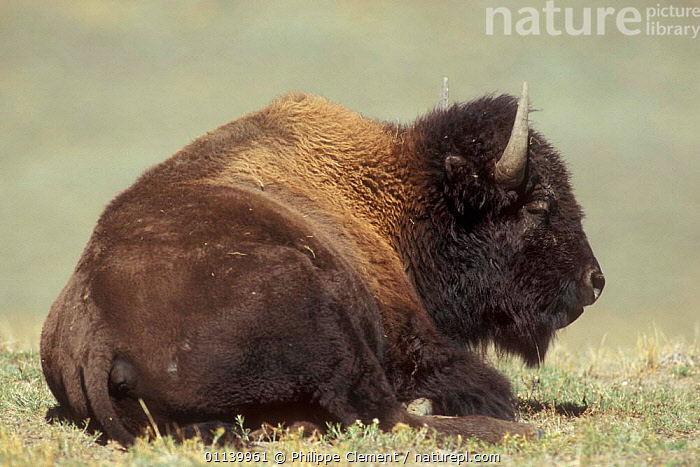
(460, 383)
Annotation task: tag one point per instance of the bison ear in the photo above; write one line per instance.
(454, 162)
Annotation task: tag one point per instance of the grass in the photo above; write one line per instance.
(642, 407)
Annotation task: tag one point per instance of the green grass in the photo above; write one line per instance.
(643, 408)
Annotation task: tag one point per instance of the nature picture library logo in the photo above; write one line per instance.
(661, 20)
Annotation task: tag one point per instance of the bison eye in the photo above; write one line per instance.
(541, 206)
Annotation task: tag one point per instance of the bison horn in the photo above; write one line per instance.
(510, 168)
(444, 95)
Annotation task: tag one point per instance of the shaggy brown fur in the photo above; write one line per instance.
(269, 269)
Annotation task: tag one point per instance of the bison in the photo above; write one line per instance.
(306, 264)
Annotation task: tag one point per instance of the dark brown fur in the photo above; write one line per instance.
(269, 269)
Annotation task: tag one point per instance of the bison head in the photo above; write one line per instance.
(512, 264)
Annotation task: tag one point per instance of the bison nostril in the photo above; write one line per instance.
(598, 283)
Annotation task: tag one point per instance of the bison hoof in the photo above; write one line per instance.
(421, 406)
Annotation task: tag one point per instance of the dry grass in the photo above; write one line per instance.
(642, 406)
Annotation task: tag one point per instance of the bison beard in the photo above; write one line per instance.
(307, 264)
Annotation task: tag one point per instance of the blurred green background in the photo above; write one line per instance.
(93, 92)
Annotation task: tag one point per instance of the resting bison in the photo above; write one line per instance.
(308, 264)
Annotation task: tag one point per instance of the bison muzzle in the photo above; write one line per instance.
(307, 264)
